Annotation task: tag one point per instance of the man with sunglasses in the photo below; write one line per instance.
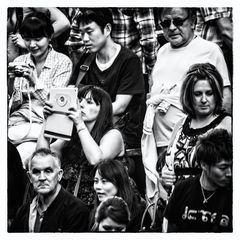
(173, 61)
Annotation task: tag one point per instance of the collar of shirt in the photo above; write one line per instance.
(37, 206)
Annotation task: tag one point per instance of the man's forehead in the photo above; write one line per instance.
(224, 162)
(43, 161)
(173, 12)
(90, 25)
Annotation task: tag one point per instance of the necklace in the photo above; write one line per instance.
(204, 197)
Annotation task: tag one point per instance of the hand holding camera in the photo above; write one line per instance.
(20, 69)
(61, 108)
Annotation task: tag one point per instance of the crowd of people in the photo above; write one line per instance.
(151, 121)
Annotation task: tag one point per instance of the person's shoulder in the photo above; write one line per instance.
(205, 43)
(186, 183)
(73, 203)
(127, 53)
(60, 56)
(21, 58)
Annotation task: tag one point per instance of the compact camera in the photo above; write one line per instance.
(18, 68)
(58, 124)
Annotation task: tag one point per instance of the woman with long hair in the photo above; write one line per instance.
(111, 179)
(93, 140)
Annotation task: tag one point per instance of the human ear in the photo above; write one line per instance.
(60, 174)
(108, 29)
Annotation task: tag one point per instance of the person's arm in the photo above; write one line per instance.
(121, 103)
(44, 142)
(59, 20)
(111, 144)
(227, 99)
(144, 18)
(225, 26)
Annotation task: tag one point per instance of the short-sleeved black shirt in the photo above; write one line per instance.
(124, 76)
(186, 210)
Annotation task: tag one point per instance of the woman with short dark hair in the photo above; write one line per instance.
(34, 74)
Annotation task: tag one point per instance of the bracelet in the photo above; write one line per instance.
(82, 127)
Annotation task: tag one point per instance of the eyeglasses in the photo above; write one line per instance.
(177, 22)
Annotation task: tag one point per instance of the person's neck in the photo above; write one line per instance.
(206, 183)
(46, 200)
(202, 121)
(107, 52)
(193, 36)
(89, 125)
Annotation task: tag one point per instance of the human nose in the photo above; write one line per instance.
(203, 98)
(229, 172)
(42, 176)
(172, 26)
(85, 37)
(98, 185)
(32, 43)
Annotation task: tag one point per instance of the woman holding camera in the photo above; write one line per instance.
(201, 98)
(33, 75)
(93, 139)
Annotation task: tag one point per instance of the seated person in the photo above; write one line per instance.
(114, 68)
(34, 74)
(111, 179)
(53, 209)
(112, 215)
(93, 140)
(201, 98)
(204, 203)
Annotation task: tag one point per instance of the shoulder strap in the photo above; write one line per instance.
(84, 68)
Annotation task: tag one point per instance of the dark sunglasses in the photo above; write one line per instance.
(177, 22)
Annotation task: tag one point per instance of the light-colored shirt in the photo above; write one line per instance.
(55, 73)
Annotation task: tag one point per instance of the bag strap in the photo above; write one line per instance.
(84, 68)
(78, 181)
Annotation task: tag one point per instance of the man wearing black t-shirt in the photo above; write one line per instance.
(204, 203)
(115, 69)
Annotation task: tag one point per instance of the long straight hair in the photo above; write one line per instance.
(115, 172)
(73, 149)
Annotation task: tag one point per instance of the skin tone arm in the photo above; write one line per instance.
(227, 99)
(121, 103)
(226, 29)
(111, 145)
(59, 21)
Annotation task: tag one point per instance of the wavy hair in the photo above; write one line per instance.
(201, 71)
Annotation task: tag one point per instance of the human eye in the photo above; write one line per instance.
(35, 171)
(89, 100)
(197, 94)
(209, 93)
(48, 170)
(104, 180)
(107, 228)
(95, 180)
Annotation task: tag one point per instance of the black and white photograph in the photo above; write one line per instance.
(120, 120)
